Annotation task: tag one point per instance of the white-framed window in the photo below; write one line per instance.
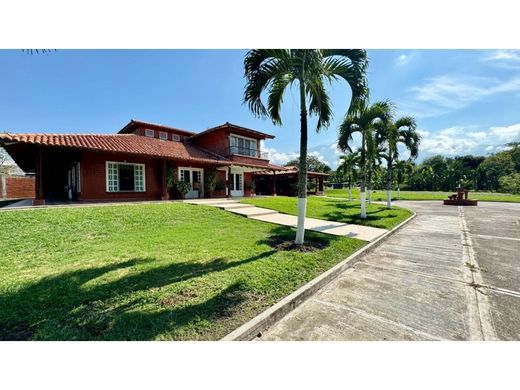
(243, 146)
(163, 135)
(176, 137)
(125, 177)
(149, 133)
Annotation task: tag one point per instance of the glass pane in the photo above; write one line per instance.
(126, 177)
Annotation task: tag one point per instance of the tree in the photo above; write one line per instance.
(5, 166)
(362, 120)
(274, 70)
(313, 164)
(402, 131)
(403, 169)
(348, 165)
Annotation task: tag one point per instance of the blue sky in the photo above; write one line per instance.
(465, 101)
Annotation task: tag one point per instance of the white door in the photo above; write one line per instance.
(237, 184)
(194, 176)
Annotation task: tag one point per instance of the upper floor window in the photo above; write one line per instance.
(149, 133)
(176, 137)
(243, 146)
(163, 135)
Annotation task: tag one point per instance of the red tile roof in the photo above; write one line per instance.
(236, 127)
(121, 143)
(130, 127)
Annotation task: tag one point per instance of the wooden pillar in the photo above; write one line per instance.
(274, 183)
(38, 182)
(317, 188)
(165, 194)
(228, 182)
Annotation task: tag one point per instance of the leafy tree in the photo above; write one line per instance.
(274, 70)
(349, 164)
(495, 166)
(510, 183)
(362, 120)
(313, 164)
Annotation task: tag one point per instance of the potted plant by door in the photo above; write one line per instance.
(249, 188)
(210, 182)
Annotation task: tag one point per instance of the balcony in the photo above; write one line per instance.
(246, 152)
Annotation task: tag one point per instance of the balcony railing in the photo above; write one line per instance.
(246, 152)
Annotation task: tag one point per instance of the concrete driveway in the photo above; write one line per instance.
(451, 274)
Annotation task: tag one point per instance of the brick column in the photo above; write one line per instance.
(39, 198)
(165, 194)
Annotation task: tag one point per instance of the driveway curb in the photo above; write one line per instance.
(264, 320)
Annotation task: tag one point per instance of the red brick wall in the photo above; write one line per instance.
(217, 141)
(93, 177)
(18, 187)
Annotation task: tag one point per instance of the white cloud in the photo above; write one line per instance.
(504, 58)
(443, 94)
(506, 133)
(458, 140)
(403, 59)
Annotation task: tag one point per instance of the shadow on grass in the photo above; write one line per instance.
(62, 307)
(282, 238)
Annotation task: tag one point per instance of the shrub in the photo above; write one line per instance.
(182, 188)
(510, 183)
(210, 181)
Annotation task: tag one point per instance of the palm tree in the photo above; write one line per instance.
(273, 70)
(375, 152)
(348, 165)
(402, 131)
(403, 168)
(362, 119)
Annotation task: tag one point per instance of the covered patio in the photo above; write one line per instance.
(284, 182)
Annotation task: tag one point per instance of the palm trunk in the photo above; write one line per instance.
(399, 191)
(362, 178)
(350, 187)
(302, 173)
(369, 184)
(389, 184)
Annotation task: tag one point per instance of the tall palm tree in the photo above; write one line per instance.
(362, 119)
(402, 131)
(348, 165)
(402, 168)
(273, 70)
(375, 153)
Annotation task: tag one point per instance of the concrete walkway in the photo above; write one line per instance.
(426, 283)
(365, 233)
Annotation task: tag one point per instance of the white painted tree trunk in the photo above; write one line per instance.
(300, 231)
(388, 199)
(363, 205)
(350, 193)
(369, 196)
(398, 193)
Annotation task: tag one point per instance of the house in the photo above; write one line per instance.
(134, 164)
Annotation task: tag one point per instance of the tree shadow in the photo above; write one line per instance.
(66, 301)
(337, 213)
(280, 238)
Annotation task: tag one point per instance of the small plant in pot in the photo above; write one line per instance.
(182, 188)
(249, 187)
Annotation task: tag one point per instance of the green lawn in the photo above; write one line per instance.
(335, 210)
(426, 195)
(169, 271)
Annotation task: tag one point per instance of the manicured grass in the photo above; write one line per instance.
(335, 210)
(426, 195)
(169, 271)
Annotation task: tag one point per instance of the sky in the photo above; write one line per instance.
(464, 101)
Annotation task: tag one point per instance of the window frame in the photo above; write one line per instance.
(176, 137)
(117, 163)
(163, 135)
(147, 133)
(244, 138)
